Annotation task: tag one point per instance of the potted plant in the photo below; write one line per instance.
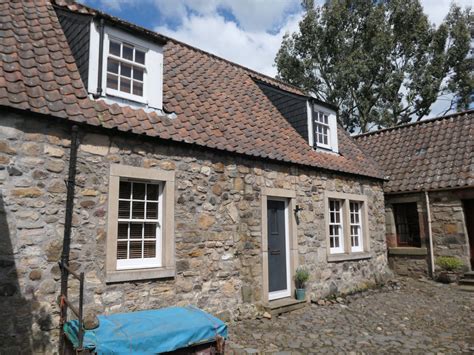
(450, 268)
(301, 277)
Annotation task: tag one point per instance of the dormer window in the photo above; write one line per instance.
(125, 69)
(132, 68)
(322, 128)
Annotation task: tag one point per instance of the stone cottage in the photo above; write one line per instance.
(430, 192)
(198, 181)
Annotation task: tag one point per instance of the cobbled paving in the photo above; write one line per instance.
(421, 317)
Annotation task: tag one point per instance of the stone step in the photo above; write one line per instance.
(464, 281)
(467, 288)
(284, 305)
(468, 275)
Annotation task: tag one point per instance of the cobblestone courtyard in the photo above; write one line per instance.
(421, 317)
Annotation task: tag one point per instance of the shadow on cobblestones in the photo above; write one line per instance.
(421, 317)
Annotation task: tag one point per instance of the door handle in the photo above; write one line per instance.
(275, 252)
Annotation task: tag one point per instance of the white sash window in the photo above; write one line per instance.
(139, 225)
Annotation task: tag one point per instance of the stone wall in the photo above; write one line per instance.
(409, 265)
(450, 236)
(217, 227)
(448, 228)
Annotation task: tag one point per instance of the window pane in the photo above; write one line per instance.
(407, 224)
(135, 250)
(126, 70)
(125, 85)
(331, 242)
(138, 191)
(115, 48)
(127, 52)
(136, 230)
(138, 210)
(125, 189)
(152, 210)
(112, 81)
(150, 230)
(152, 192)
(150, 249)
(124, 209)
(122, 250)
(137, 88)
(138, 73)
(112, 66)
(139, 56)
(122, 232)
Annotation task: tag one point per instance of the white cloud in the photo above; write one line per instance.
(250, 15)
(214, 34)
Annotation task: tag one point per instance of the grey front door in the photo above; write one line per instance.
(277, 272)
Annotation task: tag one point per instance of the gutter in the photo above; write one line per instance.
(430, 234)
(71, 182)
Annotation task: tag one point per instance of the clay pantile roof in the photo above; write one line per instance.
(433, 154)
(217, 103)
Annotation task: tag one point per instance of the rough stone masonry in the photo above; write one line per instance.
(217, 228)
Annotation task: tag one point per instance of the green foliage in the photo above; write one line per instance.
(449, 263)
(381, 62)
(301, 277)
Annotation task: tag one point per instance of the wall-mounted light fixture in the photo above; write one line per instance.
(297, 211)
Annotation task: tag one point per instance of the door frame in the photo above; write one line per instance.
(286, 292)
(290, 240)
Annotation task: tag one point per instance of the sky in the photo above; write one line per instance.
(247, 32)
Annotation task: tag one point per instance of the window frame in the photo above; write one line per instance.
(166, 268)
(402, 206)
(143, 263)
(348, 252)
(116, 92)
(340, 227)
(153, 85)
(316, 122)
(358, 225)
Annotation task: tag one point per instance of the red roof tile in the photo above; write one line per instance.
(426, 155)
(218, 104)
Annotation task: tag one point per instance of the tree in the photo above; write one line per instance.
(381, 62)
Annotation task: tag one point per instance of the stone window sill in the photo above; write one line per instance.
(139, 274)
(408, 251)
(349, 257)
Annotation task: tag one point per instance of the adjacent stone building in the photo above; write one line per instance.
(427, 163)
(198, 181)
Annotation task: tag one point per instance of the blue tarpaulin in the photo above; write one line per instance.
(147, 332)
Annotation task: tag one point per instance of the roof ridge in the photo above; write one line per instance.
(252, 72)
(429, 120)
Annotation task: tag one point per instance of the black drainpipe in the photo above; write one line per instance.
(101, 55)
(71, 181)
